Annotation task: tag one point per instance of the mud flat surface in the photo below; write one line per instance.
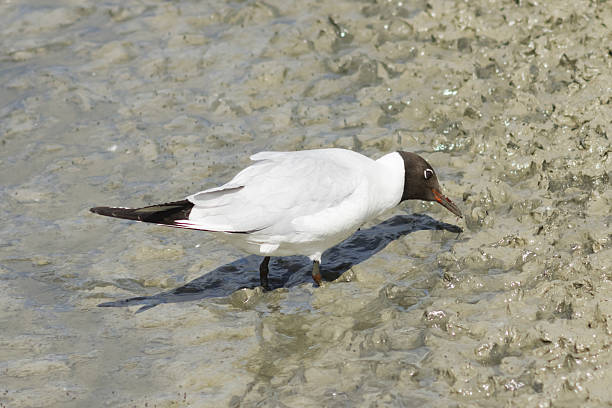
(114, 103)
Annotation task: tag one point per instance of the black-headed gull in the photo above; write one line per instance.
(298, 203)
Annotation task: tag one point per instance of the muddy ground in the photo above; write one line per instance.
(113, 103)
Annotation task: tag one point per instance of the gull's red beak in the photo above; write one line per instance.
(447, 203)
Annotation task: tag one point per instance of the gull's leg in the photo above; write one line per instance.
(263, 273)
(316, 274)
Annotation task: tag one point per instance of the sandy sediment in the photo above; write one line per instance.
(132, 104)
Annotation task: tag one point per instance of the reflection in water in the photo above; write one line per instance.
(292, 270)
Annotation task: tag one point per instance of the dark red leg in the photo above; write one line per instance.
(263, 273)
(316, 274)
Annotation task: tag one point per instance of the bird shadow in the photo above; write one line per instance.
(291, 270)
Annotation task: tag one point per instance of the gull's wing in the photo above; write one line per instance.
(281, 192)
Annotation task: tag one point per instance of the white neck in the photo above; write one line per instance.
(388, 183)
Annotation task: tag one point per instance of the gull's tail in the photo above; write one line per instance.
(165, 214)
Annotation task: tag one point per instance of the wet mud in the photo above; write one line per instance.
(136, 103)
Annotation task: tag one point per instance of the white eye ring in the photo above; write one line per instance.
(428, 173)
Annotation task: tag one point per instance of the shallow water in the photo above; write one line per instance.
(132, 104)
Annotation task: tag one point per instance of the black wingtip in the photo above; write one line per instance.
(100, 210)
(165, 213)
(115, 212)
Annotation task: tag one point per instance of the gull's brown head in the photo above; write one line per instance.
(421, 183)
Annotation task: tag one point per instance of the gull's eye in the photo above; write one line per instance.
(428, 174)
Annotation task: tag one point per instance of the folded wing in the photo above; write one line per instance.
(275, 191)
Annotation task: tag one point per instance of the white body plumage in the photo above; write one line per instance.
(298, 203)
